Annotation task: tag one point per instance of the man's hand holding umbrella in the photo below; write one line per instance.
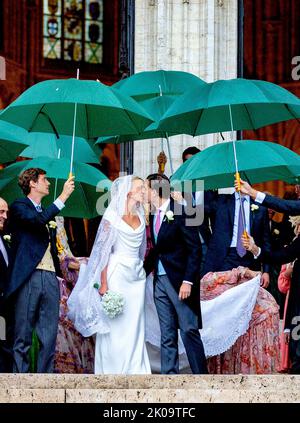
(245, 188)
(68, 188)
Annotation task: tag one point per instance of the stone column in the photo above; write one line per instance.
(197, 36)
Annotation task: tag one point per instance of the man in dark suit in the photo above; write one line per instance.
(288, 254)
(175, 259)
(202, 199)
(225, 250)
(5, 352)
(278, 204)
(32, 272)
(276, 244)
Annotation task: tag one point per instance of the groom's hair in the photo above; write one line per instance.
(160, 183)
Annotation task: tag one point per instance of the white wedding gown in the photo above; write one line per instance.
(123, 349)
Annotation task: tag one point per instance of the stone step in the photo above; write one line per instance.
(38, 388)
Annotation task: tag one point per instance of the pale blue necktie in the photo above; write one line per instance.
(239, 244)
(39, 208)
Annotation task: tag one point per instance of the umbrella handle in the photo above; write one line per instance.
(246, 235)
(238, 180)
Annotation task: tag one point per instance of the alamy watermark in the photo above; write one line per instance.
(185, 203)
(295, 334)
(296, 70)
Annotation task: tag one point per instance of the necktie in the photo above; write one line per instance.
(157, 222)
(239, 245)
(39, 208)
(3, 251)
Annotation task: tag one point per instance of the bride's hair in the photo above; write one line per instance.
(137, 178)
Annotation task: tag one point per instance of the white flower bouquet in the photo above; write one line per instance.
(113, 303)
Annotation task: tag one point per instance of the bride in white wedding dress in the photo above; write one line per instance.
(116, 263)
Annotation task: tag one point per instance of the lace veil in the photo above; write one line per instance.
(84, 303)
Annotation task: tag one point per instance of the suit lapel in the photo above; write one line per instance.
(30, 203)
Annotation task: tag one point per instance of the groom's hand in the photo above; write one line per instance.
(185, 291)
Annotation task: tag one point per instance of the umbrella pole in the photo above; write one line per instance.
(237, 174)
(56, 180)
(73, 136)
(169, 152)
(161, 140)
(162, 144)
(167, 138)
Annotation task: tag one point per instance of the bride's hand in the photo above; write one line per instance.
(103, 289)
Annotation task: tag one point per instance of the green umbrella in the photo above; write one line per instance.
(227, 105)
(47, 145)
(101, 110)
(144, 85)
(156, 91)
(12, 142)
(87, 109)
(90, 184)
(259, 161)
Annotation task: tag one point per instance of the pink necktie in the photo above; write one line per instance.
(157, 222)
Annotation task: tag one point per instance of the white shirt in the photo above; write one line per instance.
(3, 251)
(59, 204)
(236, 217)
(260, 197)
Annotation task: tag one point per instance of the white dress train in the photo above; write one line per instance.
(123, 349)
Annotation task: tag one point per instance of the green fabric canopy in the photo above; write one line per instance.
(225, 105)
(259, 161)
(90, 184)
(48, 145)
(144, 85)
(12, 142)
(101, 110)
(155, 91)
(156, 107)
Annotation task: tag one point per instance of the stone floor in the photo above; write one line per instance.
(37, 388)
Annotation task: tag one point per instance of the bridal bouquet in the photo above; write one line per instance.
(113, 303)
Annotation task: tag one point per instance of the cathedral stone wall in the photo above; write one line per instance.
(197, 36)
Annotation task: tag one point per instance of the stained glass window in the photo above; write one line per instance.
(73, 30)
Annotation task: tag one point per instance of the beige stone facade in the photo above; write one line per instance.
(67, 388)
(197, 36)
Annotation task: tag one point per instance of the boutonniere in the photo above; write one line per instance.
(276, 232)
(7, 239)
(169, 216)
(254, 207)
(52, 224)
